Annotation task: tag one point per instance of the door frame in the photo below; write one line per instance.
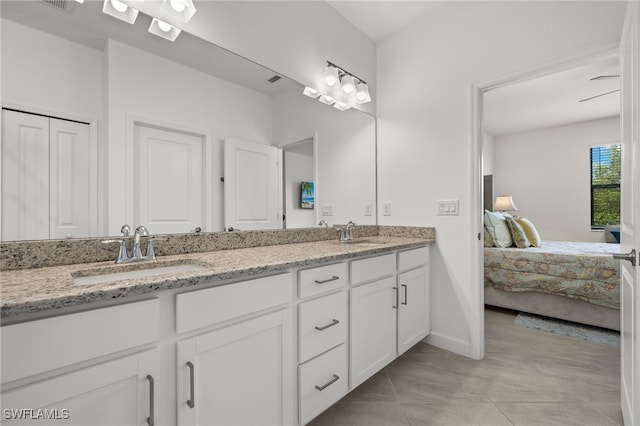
(133, 120)
(477, 91)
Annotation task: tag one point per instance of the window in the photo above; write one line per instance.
(605, 186)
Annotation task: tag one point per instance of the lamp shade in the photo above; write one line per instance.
(504, 203)
(362, 96)
(164, 30)
(348, 84)
(180, 9)
(330, 77)
(119, 10)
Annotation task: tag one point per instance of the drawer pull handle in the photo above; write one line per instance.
(395, 289)
(329, 383)
(331, 324)
(328, 280)
(151, 419)
(191, 402)
(405, 294)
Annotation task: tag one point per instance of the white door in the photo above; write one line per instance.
(25, 176)
(117, 392)
(70, 185)
(630, 212)
(169, 180)
(373, 328)
(238, 375)
(413, 308)
(251, 186)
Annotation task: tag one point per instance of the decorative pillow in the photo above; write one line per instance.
(530, 231)
(488, 241)
(517, 233)
(496, 225)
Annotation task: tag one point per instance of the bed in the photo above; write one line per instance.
(573, 281)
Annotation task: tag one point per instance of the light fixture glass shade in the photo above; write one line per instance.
(119, 10)
(180, 9)
(362, 95)
(80, 1)
(341, 105)
(326, 99)
(348, 84)
(504, 203)
(164, 30)
(330, 77)
(311, 92)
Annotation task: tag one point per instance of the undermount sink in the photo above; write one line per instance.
(364, 243)
(107, 276)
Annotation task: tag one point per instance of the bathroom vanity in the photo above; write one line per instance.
(257, 335)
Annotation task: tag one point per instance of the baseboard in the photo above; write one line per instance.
(449, 343)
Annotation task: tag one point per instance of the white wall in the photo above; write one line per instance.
(548, 174)
(346, 156)
(294, 38)
(488, 153)
(50, 73)
(425, 78)
(142, 85)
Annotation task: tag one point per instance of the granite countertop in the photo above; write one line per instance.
(45, 290)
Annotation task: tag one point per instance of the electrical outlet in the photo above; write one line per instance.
(386, 208)
(368, 209)
(327, 210)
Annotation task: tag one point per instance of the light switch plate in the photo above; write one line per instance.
(386, 208)
(448, 207)
(368, 209)
(327, 210)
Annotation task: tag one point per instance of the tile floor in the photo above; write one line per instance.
(527, 377)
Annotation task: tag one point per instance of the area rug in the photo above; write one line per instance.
(571, 329)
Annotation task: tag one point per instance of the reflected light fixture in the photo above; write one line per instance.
(164, 30)
(340, 88)
(119, 10)
(180, 9)
(504, 203)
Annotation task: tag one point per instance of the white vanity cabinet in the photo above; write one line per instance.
(322, 339)
(389, 309)
(414, 297)
(240, 373)
(68, 370)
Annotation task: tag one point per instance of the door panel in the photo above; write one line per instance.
(251, 185)
(169, 180)
(630, 210)
(25, 176)
(70, 186)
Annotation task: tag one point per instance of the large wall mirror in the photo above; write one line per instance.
(106, 124)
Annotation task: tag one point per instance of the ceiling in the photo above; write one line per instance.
(544, 101)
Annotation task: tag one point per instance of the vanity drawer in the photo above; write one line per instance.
(323, 381)
(321, 279)
(201, 308)
(38, 346)
(323, 324)
(411, 259)
(372, 268)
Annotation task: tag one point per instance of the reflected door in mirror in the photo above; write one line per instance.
(45, 178)
(169, 180)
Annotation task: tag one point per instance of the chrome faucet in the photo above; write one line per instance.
(346, 233)
(136, 254)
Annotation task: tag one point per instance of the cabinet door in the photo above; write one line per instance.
(414, 308)
(117, 392)
(373, 328)
(238, 375)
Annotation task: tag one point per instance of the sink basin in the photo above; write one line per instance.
(101, 277)
(363, 243)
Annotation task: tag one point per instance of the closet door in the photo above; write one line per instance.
(25, 176)
(69, 184)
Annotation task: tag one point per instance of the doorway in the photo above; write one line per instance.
(299, 181)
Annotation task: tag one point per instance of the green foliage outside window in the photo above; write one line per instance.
(605, 186)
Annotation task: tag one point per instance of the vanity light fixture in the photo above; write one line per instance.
(119, 10)
(340, 88)
(164, 30)
(180, 9)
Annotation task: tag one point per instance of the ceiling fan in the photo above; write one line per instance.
(601, 77)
